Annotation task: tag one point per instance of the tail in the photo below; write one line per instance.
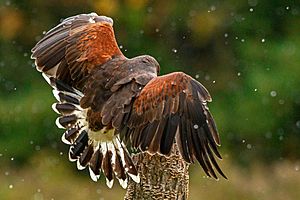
(109, 157)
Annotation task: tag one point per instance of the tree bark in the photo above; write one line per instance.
(161, 177)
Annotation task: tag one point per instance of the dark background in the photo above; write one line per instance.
(246, 53)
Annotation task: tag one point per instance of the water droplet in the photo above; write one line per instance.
(61, 153)
(207, 77)
(273, 93)
(249, 146)
(287, 8)
(242, 40)
(243, 141)
(298, 124)
(156, 30)
(251, 9)
(236, 37)
(12, 158)
(174, 50)
(121, 46)
(212, 8)
(263, 40)
(37, 147)
(131, 70)
(44, 32)
(197, 76)
(281, 137)
(281, 101)
(10, 186)
(226, 35)
(239, 73)
(252, 2)
(255, 90)
(214, 81)
(140, 88)
(196, 126)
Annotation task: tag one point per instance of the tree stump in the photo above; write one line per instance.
(161, 177)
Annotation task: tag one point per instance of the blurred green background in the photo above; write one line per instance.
(247, 54)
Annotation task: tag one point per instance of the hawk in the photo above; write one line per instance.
(110, 104)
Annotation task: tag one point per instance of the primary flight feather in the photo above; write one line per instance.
(108, 102)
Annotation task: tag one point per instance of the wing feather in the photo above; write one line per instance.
(72, 49)
(174, 107)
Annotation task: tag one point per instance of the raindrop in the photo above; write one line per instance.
(249, 146)
(239, 73)
(252, 2)
(207, 77)
(214, 81)
(281, 101)
(213, 8)
(251, 9)
(236, 37)
(268, 135)
(273, 93)
(263, 40)
(197, 76)
(121, 46)
(10, 186)
(298, 124)
(12, 158)
(37, 147)
(287, 8)
(255, 90)
(196, 126)
(140, 88)
(131, 70)
(243, 141)
(226, 35)
(242, 40)
(44, 32)
(61, 153)
(174, 50)
(156, 30)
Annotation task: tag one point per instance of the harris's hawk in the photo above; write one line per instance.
(108, 103)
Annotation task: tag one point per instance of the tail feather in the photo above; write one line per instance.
(109, 157)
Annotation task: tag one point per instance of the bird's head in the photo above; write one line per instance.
(148, 62)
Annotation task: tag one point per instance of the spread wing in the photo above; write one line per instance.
(173, 108)
(76, 46)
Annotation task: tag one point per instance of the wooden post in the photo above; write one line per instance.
(161, 177)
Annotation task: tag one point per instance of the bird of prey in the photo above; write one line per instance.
(110, 104)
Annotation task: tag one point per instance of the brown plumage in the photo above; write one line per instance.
(107, 100)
